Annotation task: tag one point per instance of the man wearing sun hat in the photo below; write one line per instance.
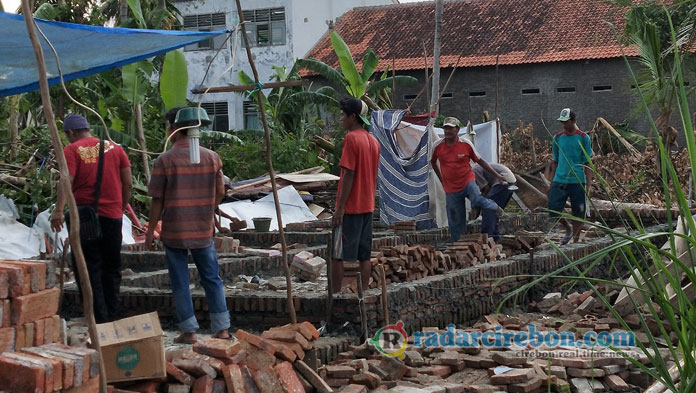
(355, 201)
(458, 179)
(571, 151)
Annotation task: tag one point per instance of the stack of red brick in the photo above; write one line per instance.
(28, 305)
(252, 363)
(32, 360)
(50, 368)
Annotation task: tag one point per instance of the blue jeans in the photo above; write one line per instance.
(208, 271)
(456, 208)
(499, 194)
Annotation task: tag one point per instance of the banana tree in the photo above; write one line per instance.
(294, 109)
(357, 84)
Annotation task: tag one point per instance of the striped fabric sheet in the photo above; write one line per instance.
(402, 183)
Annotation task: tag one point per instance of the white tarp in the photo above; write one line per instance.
(292, 209)
(18, 241)
(485, 137)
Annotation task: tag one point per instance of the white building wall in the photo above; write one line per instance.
(306, 22)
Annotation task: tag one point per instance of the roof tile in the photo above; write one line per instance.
(476, 32)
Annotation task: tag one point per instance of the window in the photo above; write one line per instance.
(410, 96)
(217, 111)
(251, 116)
(206, 22)
(565, 89)
(531, 91)
(477, 94)
(265, 26)
(447, 95)
(601, 88)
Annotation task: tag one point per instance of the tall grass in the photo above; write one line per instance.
(658, 274)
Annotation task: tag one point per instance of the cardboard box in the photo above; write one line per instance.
(133, 348)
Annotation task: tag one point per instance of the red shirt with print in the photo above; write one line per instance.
(360, 154)
(82, 157)
(454, 164)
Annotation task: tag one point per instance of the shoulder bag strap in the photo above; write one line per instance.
(100, 170)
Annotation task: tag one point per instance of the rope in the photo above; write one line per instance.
(106, 129)
(258, 88)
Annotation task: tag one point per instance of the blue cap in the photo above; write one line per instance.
(75, 122)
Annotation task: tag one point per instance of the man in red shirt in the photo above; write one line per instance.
(103, 256)
(355, 201)
(458, 179)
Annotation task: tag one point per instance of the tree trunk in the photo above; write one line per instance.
(87, 299)
(435, 95)
(123, 15)
(661, 123)
(14, 126)
(141, 140)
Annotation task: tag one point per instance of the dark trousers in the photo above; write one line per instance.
(500, 194)
(103, 258)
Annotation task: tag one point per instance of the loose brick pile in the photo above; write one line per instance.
(271, 362)
(404, 263)
(450, 369)
(28, 305)
(50, 368)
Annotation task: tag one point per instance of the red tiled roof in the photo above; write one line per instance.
(518, 31)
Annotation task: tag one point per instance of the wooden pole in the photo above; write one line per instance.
(271, 172)
(427, 78)
(363, 312)
(497, 121)
(385, 302)
(141, 141)
(87, 300)
(435, 95)
(269, 85)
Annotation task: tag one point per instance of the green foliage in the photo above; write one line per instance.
(357, 84)
(246, 160)
(659, 276)
(294, 110)
(174, 80)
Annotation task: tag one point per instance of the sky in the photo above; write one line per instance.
(11, 5)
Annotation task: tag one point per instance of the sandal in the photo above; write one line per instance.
(221, 333)
(186, 338)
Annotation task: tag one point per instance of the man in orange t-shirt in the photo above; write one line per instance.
(355, 201)
(458, 179)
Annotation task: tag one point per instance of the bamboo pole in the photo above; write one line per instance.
(271, 172)
(87, 300)
(141, 141)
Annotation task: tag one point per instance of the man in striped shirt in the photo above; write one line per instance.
(185, 196)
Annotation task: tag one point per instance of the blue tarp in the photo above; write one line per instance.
(83, 50)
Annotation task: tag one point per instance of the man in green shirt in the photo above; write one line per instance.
(571, 150)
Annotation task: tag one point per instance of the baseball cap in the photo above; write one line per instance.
(359, 107)
(566, 114)
(75, 122)
(451, 122)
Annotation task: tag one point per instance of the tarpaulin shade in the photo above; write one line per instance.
(82, 49)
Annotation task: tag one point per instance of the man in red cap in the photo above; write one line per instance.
(103, 256)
